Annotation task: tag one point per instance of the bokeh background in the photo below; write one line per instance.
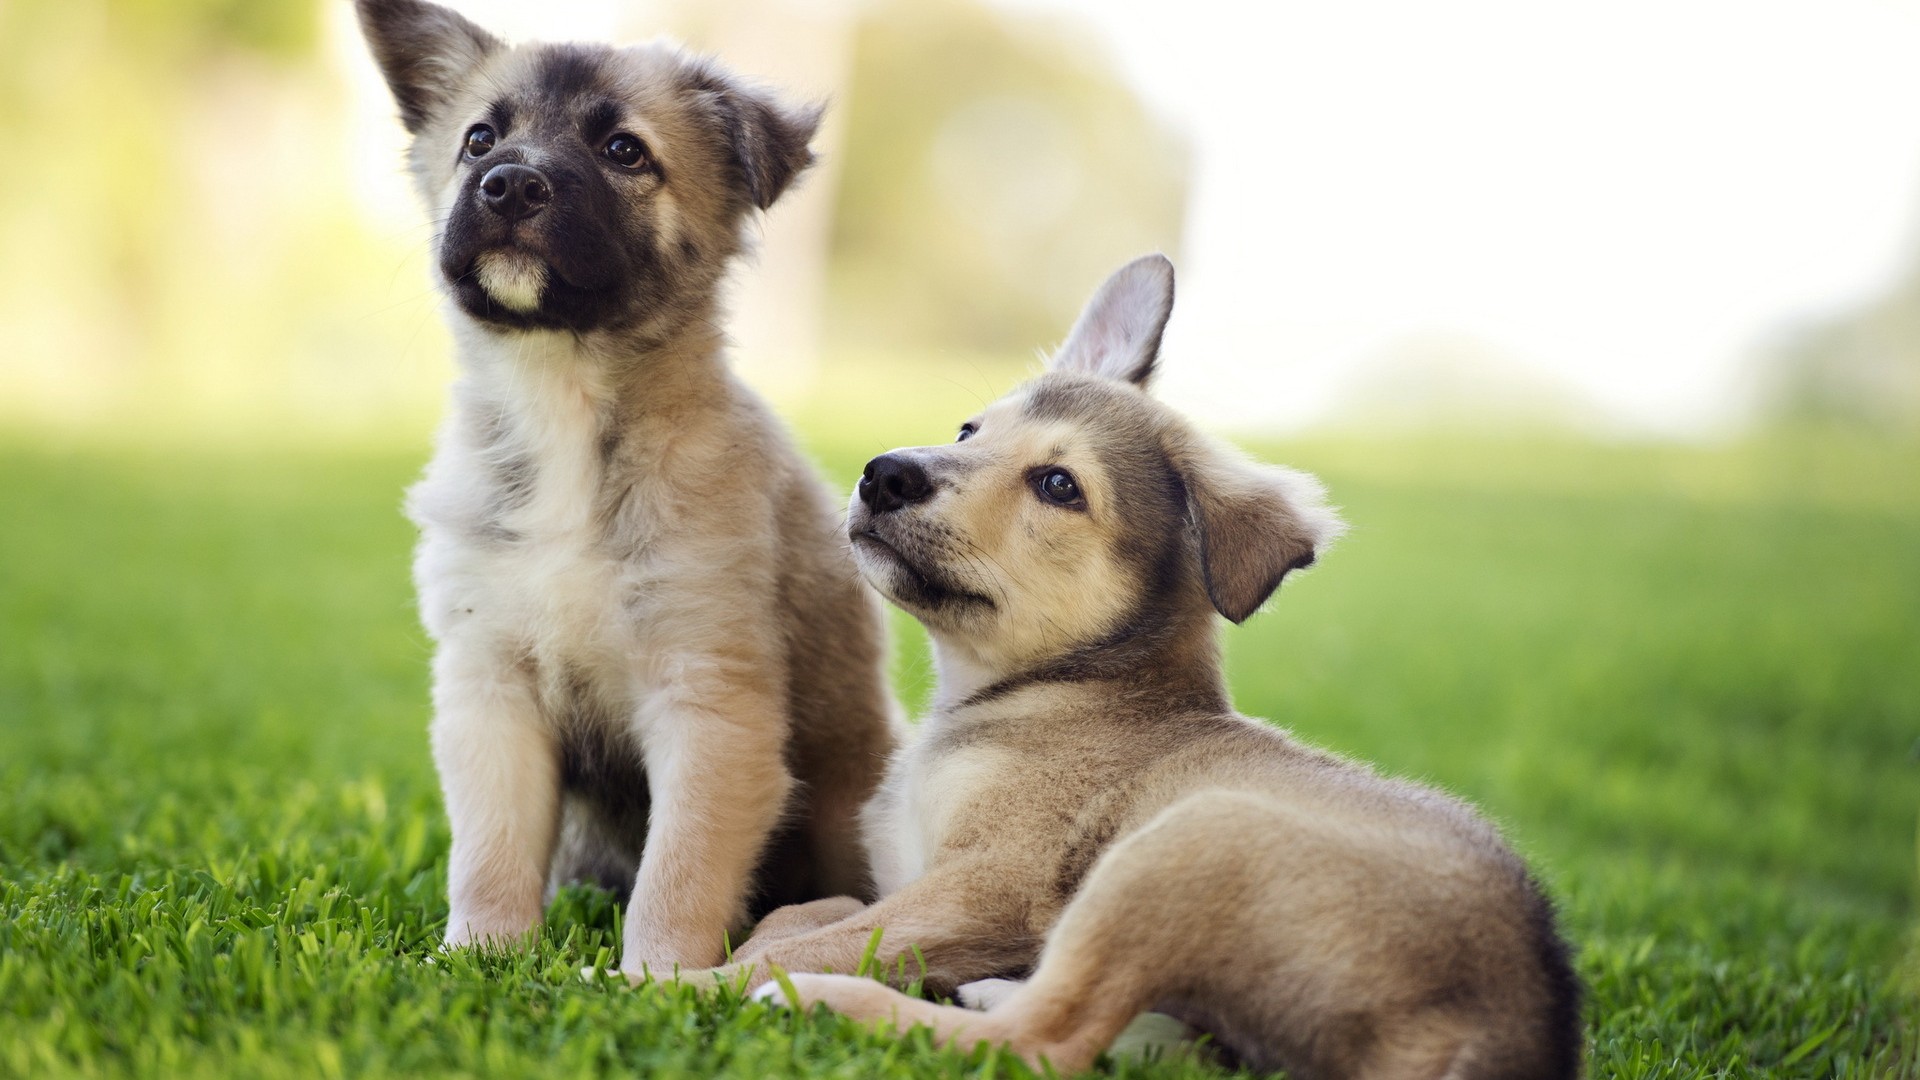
(1602, 322)
(1652, 220)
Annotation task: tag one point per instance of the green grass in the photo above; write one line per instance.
(1687, 681)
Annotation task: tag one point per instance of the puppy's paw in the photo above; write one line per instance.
(846, 994)
(662, 949)
(985, 995)
(594, 974)
(774, 994)
(491, 931)
(734, 977)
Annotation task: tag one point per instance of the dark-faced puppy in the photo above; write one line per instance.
(1082, 802)
(654, 668)
(581, 187)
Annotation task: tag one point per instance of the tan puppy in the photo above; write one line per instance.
(655, 668)
(1083, 803)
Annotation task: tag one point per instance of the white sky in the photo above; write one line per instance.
(1629, 198)
(1626, 199)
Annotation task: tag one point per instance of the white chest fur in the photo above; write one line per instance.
(514, 552)
(922, 796)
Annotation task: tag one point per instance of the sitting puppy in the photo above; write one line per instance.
(1083, 803)
(655, 668)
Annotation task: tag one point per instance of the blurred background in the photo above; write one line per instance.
(1641, 220)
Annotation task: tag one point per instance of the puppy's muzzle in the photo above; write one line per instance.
(891, 481)
(515, 192)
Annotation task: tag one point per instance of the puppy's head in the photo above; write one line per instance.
(579, 187)
(1077, 509)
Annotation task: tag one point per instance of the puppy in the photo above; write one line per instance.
(1082, 802)
(655, 667)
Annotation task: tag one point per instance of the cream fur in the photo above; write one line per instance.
(513, 278)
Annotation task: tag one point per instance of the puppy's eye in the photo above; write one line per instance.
(480, 139)
(1057, 486)
(966, 432)
(626, 150)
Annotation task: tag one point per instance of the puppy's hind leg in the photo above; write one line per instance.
(1137, 933)
(1269, 928)
(1126, 941)
(858, 998)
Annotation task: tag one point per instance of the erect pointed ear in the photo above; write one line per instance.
(424, 50)
(767, 139)
(1256, 523)
(1118, 333)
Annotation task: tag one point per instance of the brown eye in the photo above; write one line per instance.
(1057, 486)
(479, 140)
(966, 432)
(626, 150)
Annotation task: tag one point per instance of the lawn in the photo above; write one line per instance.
(1687, 681)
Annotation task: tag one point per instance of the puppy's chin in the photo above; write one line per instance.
(880, 567)
(924, 590)
(513, 279)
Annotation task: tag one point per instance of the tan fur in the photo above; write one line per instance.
(655, 669)
(1083, 804)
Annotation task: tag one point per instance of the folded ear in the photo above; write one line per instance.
(768, 139)
(424, 50)
(1118, 333)
(1256, 523)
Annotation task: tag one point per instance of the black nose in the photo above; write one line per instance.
(515, 191)
(891, 482)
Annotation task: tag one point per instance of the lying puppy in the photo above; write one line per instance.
(655, 668)
(1082, 800)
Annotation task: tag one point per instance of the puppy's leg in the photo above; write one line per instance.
(719, 783)
(960, 933)
(1150, 1035)
(840, 753)
(1229, 906)
(833, 840)
(867, 1001)
(796, 919)
(500, 771)
(1129, 936)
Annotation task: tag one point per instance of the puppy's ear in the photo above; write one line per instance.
(424, 50)
(1118, 333)
(1256, 523)
(767, 139)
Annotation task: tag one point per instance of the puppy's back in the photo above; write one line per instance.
(1361, 900)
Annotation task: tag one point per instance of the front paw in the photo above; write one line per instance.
(774, 992)
(740, 977)
(849, 995)
(482, 933)
(985, 995)
(656, 949)
(798, 992)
